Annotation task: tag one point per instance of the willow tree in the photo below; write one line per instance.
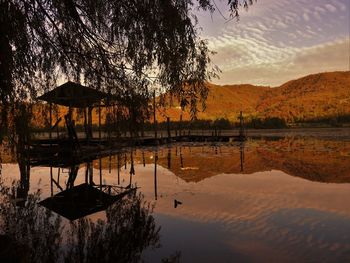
(107, 44)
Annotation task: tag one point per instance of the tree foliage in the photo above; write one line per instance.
(114, 45)
(34, 234)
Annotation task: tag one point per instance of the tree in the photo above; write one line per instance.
(34, 234)
(108, 44)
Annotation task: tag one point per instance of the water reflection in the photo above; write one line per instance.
(155, 174)
(311, 159)
(233, 201)
(126, 231)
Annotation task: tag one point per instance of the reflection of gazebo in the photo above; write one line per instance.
(82, 200)
(74, 95)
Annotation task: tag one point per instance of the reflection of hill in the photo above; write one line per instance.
(203, 162)
(311, 159)
(316, 160)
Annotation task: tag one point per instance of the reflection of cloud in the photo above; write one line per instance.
(273, 37)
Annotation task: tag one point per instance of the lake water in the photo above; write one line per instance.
(265, 200)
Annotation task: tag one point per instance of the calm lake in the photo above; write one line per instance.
(264, 200)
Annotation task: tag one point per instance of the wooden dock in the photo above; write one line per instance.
(65, 153)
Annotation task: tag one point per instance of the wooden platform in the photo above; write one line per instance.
(64, 153)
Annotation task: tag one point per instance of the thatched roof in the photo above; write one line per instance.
(74, 95)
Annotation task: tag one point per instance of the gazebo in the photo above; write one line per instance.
(74, 95)
(83, 200)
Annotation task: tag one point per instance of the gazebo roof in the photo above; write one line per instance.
(82, 200)
(74, 95)
(79, 201)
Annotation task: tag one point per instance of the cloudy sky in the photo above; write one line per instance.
(278, 40)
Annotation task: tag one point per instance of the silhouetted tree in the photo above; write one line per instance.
(109, 44)
(42, 236)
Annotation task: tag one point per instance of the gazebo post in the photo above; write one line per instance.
(99, 121)
(90, 122)
(50, 134)
(86, 125)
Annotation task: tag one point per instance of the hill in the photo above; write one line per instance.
(312, 97)
(317, 96)
(223, 102)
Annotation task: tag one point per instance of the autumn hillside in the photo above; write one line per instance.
(312, 97)
(226, 102)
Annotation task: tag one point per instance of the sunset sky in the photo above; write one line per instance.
(278, 40)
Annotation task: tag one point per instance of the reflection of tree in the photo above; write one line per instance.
(127, 231)
(129, 228)
(174, 258)
(33, 227)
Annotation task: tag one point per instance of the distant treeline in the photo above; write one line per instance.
(219, 124)
(334, 121)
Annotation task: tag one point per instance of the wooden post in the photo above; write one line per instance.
(87, 173)
(181, 159)
(132, 169)
(110, 163)
(58, 175)
(86, 125)
(241, 151)
(169, 158)
(57, 128)
(50, 119)
(154, 114)
(168, 127)
(118, 167)
(180, 130)
(108, 122)
(155, 175)
(100, 168)
(91, 173)
(51, 180)
(90, 122)
(241, 128)
(99, 121)
(50, 136)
